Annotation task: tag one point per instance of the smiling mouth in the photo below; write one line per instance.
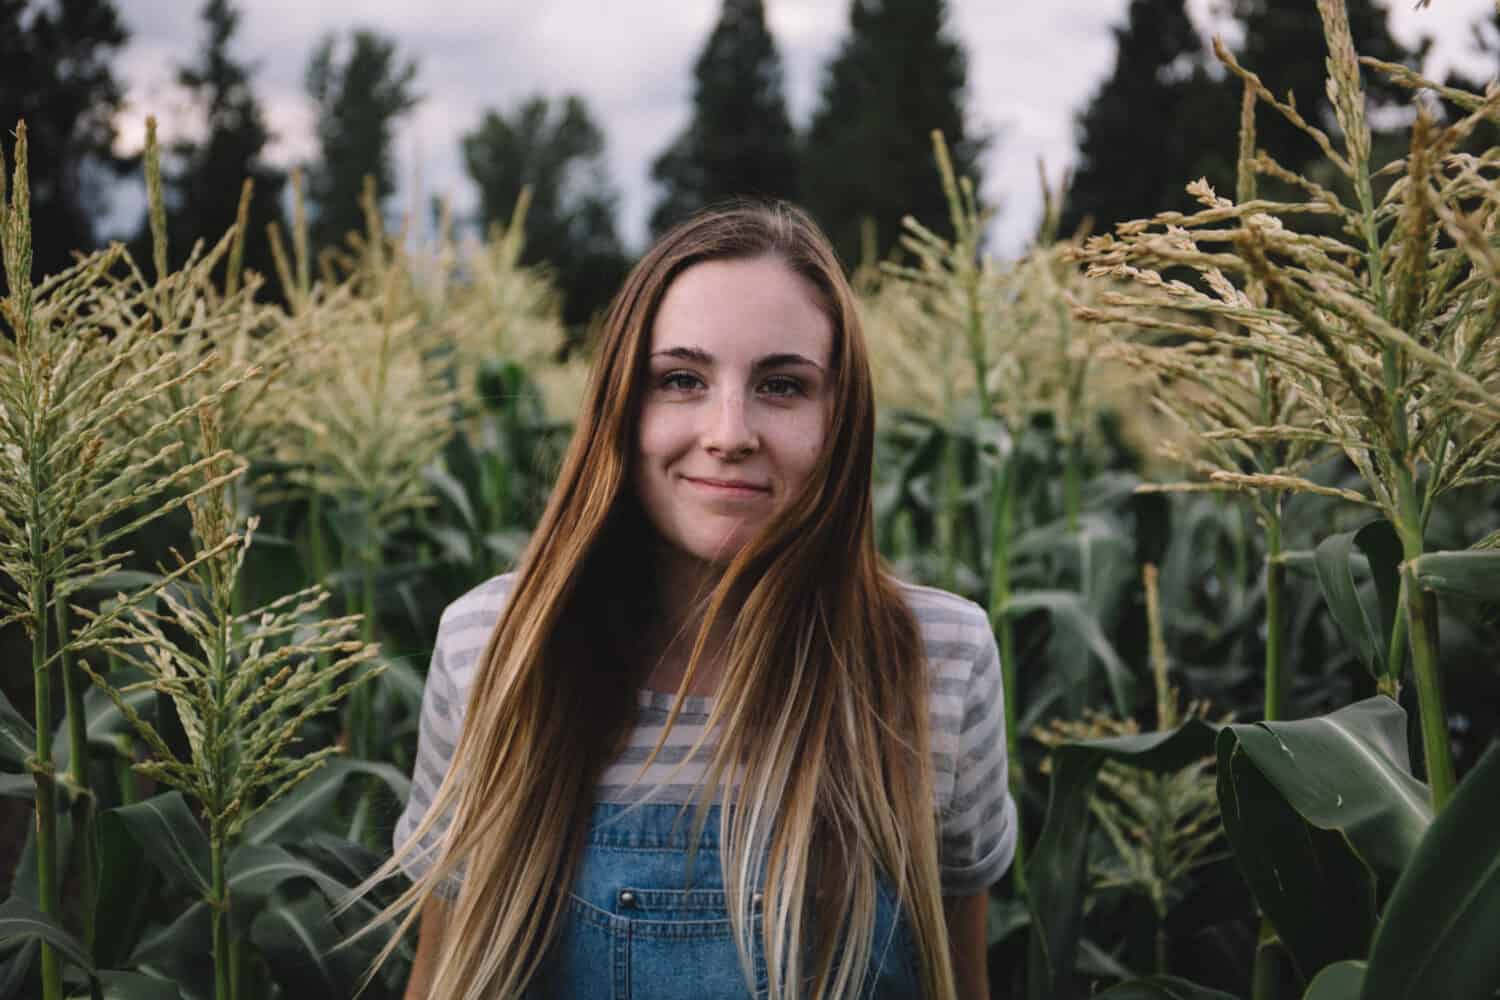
(728, 487)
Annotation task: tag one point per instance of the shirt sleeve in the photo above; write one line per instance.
(978, 829)
(437, 735)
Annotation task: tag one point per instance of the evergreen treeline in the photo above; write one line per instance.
(1167, 114)
(1164, 115)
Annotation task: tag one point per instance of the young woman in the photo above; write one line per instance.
(701, 743)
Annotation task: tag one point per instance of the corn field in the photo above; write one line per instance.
(1227, 482)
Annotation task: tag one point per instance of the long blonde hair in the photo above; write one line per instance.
(822, 756)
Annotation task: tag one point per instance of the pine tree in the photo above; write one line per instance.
(359, 100)
(740, 140)
(1158, 122)
(54, 73)
(203, 186)
(868, 151)
(570, 224)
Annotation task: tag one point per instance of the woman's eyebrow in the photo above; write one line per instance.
(702, 357)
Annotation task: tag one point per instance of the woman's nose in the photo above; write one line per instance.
(729, 430)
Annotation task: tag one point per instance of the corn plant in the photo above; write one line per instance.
(243, 684)
(1161, 827)
(1385, 333)
(372, 411)
(985, 353)
(68, 475)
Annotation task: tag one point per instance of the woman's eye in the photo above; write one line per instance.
(680, 381)
(783, 385)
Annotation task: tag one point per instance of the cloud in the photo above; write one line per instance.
(1031, 66)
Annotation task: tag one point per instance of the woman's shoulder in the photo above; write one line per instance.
(466, 624)
(943, 616)
(471, 608)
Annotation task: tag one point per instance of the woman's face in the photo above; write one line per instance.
(736, 404)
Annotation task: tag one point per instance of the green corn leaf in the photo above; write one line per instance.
(17, 737)
(16, 966)
(1057, 870)
(21, 919)
(1441, 924)
(1320, 812)
(1335, 561)
(1069, 611)
(1469, 573)
(297, 942)
(451, 489)
(256, 870)
(17, 786)
(1339, 981)
(180, 950)
(125, 888)
(306, 806)
(168, 833)
(135, 986)
(1163, 988)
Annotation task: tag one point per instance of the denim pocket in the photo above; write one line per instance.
(682, 943)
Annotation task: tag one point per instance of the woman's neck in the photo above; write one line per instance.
(684, 587)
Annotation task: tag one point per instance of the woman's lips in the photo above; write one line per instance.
(724, 488)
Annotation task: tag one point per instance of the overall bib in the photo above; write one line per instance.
(632, 930)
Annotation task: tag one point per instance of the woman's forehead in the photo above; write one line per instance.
(741, 308)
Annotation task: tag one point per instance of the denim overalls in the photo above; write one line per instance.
(633, 931)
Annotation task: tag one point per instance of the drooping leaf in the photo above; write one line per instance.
(118, 985)
(1470, 573)
(181, 951)
(1318, 812)
(19, 918)
(1163, 988)
(1056, 872)
(17, 736)
(255, 871)
(126, 883)
(1069, 611)
(17, 786)
(1313, 889)
(1348, 771)
(15, 967)
(1339, 981)
(306, 806)
(1368, 629)
(297, 942)
(169, 834)
(1442, 922)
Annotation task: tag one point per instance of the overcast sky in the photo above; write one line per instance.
(1031, 66)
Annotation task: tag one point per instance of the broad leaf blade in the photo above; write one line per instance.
(297, 941)
(17, 736)
(306, 807)
(1470, 573)
(170, 836)
(1339, 981)
(1163, 988)
(1069, 612)
(1348, 771)
(20, 919)
(1334, 560)
(1442, 922)
(1309, 884)
(134, 986)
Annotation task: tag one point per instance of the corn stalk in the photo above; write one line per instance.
(65, 387)
(1385, 333)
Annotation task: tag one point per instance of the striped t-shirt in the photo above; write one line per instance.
(976, 815)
